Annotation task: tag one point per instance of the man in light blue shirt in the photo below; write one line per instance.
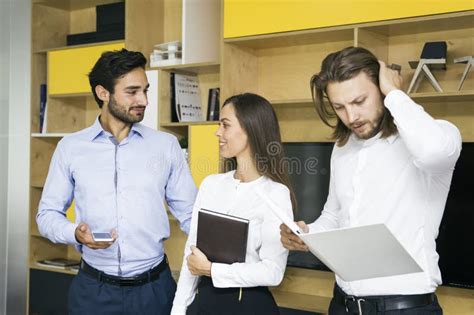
(120, 173)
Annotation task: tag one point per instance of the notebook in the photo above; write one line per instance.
(222, 237)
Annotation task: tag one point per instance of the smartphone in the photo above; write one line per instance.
(102, 237)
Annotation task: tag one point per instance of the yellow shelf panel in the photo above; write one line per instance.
(68, 68)
(203, 151)
(260, 16)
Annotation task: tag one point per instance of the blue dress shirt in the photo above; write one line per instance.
(120, 186)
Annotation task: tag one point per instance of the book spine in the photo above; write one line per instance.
(174, 114)
(213, 105)
(42, 109)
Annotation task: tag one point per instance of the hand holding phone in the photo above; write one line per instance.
(85, 236)
(102, 237)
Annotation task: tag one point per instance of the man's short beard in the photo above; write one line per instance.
(376, 130)
(116, 111)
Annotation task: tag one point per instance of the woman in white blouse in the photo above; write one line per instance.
(249, 135)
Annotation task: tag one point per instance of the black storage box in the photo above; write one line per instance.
(94, 37)
(110, 25)
(110, 17)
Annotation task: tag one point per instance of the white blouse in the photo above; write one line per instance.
(266, 257)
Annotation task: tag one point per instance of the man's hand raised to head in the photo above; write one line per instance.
(389, 79)
(84, 236)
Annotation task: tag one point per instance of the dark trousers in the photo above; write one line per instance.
(225, 301)
(434, 308)
(88, 295)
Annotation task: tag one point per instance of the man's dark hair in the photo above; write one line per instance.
(338, 67)
(111, 66)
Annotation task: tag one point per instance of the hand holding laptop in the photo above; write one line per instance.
(292, 241)
(381, 254)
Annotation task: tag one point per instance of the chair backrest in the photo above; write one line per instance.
(434, 50)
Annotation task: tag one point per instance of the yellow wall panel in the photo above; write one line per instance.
(68, 68)
(254, 17)
(70, 212)
(203, 151)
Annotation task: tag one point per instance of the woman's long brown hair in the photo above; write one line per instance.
(258, 119)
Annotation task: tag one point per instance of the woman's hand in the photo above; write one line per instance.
(198, 264)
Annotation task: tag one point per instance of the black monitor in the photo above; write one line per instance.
(455, 243)
(309, 167)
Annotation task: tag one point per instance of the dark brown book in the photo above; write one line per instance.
(222, 237)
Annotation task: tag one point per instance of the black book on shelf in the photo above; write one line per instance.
(222, 237)
(42, 109)
(174, 114)
(94, 37)
(213, 104)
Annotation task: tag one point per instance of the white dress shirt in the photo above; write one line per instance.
(266, 257)
(402, 181)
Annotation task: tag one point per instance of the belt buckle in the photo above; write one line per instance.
(351, 298)
(360, 306)
(348, 298)
(130, 281)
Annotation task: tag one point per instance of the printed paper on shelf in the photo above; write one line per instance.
(188, 98)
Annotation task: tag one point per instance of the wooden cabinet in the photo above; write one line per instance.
(279, 66)
(71, 106)
(257, 55)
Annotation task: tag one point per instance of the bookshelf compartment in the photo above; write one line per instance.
(208, 77)
(402, 42)
(42, 150)
(42, 248)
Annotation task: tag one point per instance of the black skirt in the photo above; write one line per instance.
(231, 301)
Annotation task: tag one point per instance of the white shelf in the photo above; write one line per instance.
(49, 135)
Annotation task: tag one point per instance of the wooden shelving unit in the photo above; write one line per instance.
(276, 66)
(279, 67)
(147, 23)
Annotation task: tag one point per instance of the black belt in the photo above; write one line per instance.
(373, 304)
(137, 280)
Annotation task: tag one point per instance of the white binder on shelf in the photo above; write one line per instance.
(187, 97)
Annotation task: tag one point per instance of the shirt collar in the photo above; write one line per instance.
(97, 130)
(368, 142)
